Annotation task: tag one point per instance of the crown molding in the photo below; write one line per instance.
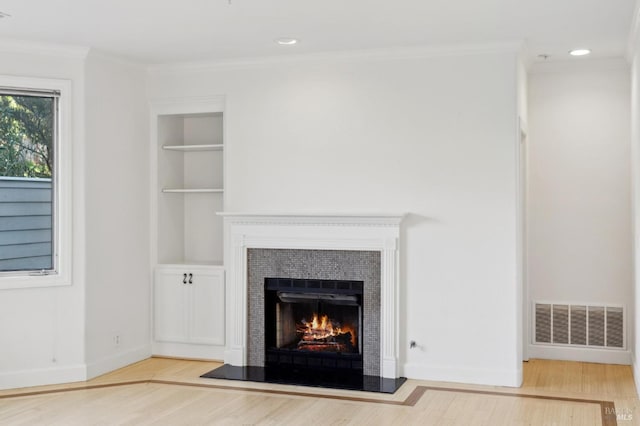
(385, 54)
(121, 60)
(582, 65)
(43, 49)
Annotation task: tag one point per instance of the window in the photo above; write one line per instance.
(34, 183)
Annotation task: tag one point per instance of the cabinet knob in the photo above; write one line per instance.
(184, 279)
(190, 278)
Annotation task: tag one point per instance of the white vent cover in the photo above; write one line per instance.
(579, 325)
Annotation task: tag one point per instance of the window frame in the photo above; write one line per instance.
(60, 274)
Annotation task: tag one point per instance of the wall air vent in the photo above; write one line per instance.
(579, 325)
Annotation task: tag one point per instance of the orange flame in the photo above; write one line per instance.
(322, 328)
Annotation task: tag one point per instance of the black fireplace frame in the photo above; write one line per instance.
(297, 360)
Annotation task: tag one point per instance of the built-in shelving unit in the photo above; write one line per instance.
(187, 190)
(190, 187)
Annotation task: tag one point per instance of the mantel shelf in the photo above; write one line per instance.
(189, 148)
(372, 219)
(191, 190)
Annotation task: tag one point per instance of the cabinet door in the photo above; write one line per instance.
(170, 313)
(207, 308)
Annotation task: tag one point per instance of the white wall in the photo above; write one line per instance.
(61, 334)
(634, 56)
(42, 329)
(434, 137)
(579, 219)
(117, 208)
(521, 202)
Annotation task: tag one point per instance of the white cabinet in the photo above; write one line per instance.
(170, 306)
(189, 311)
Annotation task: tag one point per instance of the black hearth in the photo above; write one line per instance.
(314, 326)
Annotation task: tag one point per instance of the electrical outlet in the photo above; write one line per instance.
(116, 340)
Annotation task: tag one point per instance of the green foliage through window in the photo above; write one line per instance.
(26, 136)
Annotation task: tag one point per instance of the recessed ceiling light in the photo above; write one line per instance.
(287, 41)
(579, 52)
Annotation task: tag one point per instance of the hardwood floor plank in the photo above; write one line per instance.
(168, 391)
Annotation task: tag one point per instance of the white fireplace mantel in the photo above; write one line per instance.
(370, 232)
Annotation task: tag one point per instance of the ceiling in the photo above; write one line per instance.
(163, 31)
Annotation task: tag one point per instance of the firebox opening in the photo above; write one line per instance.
(313, 323)
(317, 326)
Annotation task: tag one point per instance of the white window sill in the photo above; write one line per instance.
(20, 281)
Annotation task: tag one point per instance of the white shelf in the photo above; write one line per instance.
(188, 148)
(192, 191)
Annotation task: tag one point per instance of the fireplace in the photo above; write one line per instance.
(314, 324)
(319, 253)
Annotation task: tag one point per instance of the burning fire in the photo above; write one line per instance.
(323, 328)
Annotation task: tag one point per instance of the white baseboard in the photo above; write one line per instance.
(113, 362)
(43, 376)
(510, 378)
(570, 353)
(186, 350)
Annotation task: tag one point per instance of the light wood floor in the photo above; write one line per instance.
(169, 392)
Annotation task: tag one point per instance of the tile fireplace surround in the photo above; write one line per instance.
(315, 264)
(278, 237)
